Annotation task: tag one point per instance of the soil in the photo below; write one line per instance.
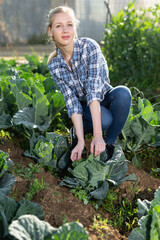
(60, 205)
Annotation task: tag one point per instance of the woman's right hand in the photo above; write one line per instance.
(77, 151)
(98, 145)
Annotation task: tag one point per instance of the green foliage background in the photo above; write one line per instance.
(131, 47)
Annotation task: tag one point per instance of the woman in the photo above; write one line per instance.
(79, 69)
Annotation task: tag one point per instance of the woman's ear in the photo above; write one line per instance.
(49, 32)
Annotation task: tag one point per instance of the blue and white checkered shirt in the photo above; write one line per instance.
(88, 80)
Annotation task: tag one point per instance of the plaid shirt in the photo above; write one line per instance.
(88, 80)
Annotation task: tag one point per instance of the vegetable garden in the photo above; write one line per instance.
(89, 199)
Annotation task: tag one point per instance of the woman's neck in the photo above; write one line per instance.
(67, 52)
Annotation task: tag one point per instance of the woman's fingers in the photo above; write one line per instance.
(97, 146)
(77, 152)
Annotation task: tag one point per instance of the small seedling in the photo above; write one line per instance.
(35, 187)
(99, 224)
(81, 194)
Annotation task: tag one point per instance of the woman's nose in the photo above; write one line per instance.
(65, 29)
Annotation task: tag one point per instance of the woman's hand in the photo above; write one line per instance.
(97, 146)
(77, 151)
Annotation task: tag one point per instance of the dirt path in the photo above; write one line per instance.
(19, 51)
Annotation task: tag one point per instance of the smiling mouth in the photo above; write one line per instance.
(65, 37)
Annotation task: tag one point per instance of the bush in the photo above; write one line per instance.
(131, 47)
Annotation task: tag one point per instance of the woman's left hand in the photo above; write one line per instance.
(98, 145)
(77, 151)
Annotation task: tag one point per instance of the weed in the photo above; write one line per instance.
(26, 173)
(35, 187)
(65, 219)
(99, 224)
(16, 169)
(81, 194)
(56, 194)
(123, 213)
(9, 150)
(14, 195)
(31, 170)
(5, 135)
(155, 172)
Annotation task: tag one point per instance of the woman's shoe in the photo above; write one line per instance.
(74, 139)
(109, 151)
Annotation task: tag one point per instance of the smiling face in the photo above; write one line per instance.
(63, 29)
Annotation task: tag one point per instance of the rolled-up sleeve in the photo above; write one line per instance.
(72, 103)
(97, 74)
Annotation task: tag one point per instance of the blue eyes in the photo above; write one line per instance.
(68, 25)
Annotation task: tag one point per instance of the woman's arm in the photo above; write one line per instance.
(78, 124)
(98, 144)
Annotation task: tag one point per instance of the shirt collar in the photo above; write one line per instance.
(76, 53)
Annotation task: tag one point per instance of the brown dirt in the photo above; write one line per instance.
(60, 205)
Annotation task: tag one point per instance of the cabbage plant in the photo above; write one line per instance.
(6, 180)
(142, 125)
(149, 219)
(29, 227)
(96, 175)
(51, 151)
(11, 210)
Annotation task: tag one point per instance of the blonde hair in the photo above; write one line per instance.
(62, 9)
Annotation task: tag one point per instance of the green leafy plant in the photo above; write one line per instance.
(81, 194)
(6, 180)
(99, 224)
(133, 58)
(29, 101)
(123, 212)
(51, 151)
(40, 109)
(36, 64)
(30, 227)
(142, 126)
(11, 210)
(96, 177)
(149, 219)
(35, 187)
(30, 171)
(5, 162)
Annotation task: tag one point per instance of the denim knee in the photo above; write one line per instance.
(123, 93)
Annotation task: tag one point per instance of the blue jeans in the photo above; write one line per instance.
(114, 112)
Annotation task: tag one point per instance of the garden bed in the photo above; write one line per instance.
(61, 206)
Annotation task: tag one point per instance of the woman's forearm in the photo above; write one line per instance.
(78, 124)
(97, 144)
(96, 118)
